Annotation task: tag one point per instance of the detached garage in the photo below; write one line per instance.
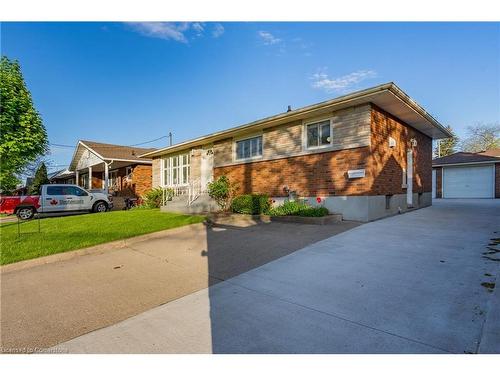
(466, 175)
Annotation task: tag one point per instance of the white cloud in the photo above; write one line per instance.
(198, 27)
(268, 38)
(177, 31)
(218, 30)
(162, 30)
(322, 81)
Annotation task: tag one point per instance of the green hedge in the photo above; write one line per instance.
(153, 198)
(298, 209)
(252, 204)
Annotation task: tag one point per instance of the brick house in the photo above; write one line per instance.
(113, 167)
(367, 155)
(467, 175)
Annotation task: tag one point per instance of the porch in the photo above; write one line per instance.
(184, 179)
(114, 168)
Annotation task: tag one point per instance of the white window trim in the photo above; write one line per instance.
(304, 134)
(243, 138)
(112, 180)
(128, 173)
(162, 171)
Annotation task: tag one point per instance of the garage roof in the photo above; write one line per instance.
(492, 152)
(388, 96)
(465, 158)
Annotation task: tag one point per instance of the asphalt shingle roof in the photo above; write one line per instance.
(465, 157)
(109, 151)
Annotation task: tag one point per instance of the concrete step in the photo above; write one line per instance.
(202, 204)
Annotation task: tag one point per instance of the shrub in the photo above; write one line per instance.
(290, 208)
(251, 204)
(222, 190)
(153, 198)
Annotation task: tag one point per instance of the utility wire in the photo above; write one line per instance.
(58, 145)
(154, 140)
(136, 144)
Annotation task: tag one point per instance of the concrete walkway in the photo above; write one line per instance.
(406, 284)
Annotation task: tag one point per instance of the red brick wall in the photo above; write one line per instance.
(142, 179)
(325, 174)
(387, 163)
(310, 175)
(140, 183)
(97, 180)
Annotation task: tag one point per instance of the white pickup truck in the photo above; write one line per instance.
(57, 198)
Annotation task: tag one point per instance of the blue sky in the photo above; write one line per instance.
(129, 83)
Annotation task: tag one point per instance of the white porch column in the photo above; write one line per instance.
(77, 177)
(90, 178)
(106, 175)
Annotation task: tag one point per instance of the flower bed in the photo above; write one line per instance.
(294, 208)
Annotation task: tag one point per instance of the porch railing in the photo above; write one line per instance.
(194, 191)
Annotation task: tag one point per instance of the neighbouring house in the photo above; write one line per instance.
(367, 155)
(113, 167)
(467, 175)
(62, 176)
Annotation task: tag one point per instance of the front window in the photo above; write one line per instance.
(128, 173)
(176, 170)
(318, 134)
(113, 179)
(249, 148)
(84, 180)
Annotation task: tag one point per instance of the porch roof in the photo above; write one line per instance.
(109, 152)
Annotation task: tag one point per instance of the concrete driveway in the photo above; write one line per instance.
(51, 303)
(406, 284)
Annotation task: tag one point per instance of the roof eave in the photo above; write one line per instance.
(355, 97)
(466, 163)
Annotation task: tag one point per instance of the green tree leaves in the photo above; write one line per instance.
(22, 134)
(39, 180)
(447, 146)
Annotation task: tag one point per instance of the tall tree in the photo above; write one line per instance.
(23, 137)
(40, 179)
(482, 137)
(447, 146)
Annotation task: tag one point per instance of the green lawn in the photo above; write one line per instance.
(60, 234)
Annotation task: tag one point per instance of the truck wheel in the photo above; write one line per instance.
(25, 213)
(100, 207)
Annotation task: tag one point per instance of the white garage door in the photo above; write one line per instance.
(468, 182)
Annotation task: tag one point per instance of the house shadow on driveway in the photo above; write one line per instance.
(232, 250)
(233, 309)
(88, 295)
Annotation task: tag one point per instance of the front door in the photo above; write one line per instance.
(409, 178)
(207, 168)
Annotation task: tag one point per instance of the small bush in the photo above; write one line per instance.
(222, 190)
(292, 208)
(153, 198)
(252, 204)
